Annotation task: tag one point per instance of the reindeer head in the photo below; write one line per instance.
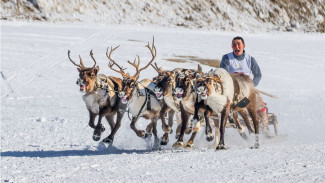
(87, 75)
(205, 85)
(164, 80)
(183, 82)
(130, 83)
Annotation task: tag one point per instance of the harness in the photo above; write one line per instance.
(104, 82)
(110, 85)
(147, 93)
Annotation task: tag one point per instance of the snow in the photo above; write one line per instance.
(45, 135)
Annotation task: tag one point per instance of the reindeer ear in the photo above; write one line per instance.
(177, 71)
(187, 72)
(199, 68)
(79, 70)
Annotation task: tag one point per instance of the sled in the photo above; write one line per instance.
(272, 120)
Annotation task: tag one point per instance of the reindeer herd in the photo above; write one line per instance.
(215, 95)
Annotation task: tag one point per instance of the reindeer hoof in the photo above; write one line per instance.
(256, 146)
(96, 137)
(142, 134)
(244, 136)
(164, 142)
(177, 135)
(148, 135)
(178, 144)
(210, 138)
(221, 147)
(107, 140)
(189, 145)
(102, 128)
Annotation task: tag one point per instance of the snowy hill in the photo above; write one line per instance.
(247, 15)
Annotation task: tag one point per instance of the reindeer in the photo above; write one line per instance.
(208, 81)
(235, 87)
(165, 82)
(189, 100)
(166, 89)
(100, 98)
(140, 99)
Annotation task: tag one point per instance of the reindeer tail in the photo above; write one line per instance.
(264, 93)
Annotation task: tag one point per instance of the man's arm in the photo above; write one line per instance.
(225, 63)
(256, 71)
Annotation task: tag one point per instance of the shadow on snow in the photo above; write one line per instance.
(85, 152)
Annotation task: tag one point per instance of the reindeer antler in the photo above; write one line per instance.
(153, 53)
(135, 65)
(159, 70)
(81, 65)
(112, 63)
(91, 54)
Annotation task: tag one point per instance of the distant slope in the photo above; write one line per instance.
(236, 15)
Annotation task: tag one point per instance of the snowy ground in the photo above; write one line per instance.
(44, 123)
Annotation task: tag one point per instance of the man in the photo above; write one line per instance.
(239, 61)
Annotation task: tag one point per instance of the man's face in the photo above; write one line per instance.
(237, 47)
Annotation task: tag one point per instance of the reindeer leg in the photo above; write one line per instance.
(190, 142)
(195, 121)
(240, 128)
(165, 138)
(243, 114)
(98, 130)
(154, 130)
(216, 125)
(196, 112)
(92, 118)
(109, 139)
(149, 129)
(110, 121)
(178, 130)
(165, 126)
(140, 133)
(185, 116)
(224, 118)
(208, 129)
(252, 112)
(171, 114)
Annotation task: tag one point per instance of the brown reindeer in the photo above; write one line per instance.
(200, 85)
(234, 88)
(189, 105)
(166, 90)
(138, 95)
(100, 98)
(165, 84)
